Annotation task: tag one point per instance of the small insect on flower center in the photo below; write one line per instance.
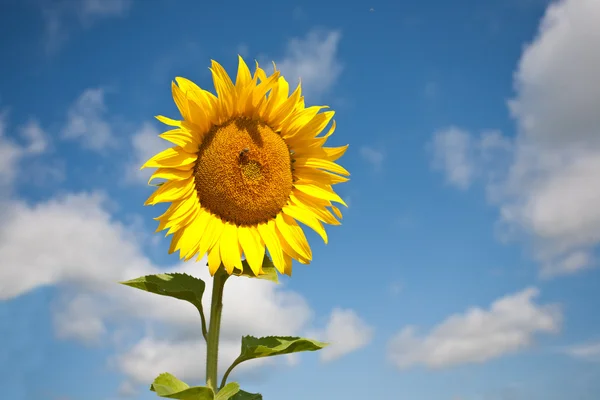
(243, 173)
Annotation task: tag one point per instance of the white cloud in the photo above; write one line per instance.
(36, 137)
(463, 157)
(477, 335)
(72, 320)
(11, 153)
(372, 156)
(87, 123)
(127, 389)
(145, 143)
(546, 187)
(588, 351)
(345, 331)
(552, 189)
(59, 16)
(97, 9)
(314, 59)
(452, 154)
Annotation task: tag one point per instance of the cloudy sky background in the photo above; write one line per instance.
(466, 265)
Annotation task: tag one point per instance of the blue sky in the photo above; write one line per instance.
(465, 267)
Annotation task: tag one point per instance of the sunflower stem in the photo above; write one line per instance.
(214, 328)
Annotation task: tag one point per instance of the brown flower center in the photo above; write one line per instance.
(243, 173)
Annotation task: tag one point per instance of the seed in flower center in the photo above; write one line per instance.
(243, 173)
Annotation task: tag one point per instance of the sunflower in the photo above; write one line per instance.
(245, 166)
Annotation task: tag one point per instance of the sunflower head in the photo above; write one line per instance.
(245, 166)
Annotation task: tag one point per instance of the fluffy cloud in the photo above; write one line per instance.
(145, 143)
(95, 9)
(314, 60)
(59, 15)
(91, 251)
(451, 154)
(477, 335)
(552, 189)
(86, 121)
(546, 182)
(587, 351)
(462, 158)
(346, 331)
(11, 153)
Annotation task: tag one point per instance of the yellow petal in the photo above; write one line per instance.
(325, 153)
(200, 230)
(243, 86)
(229, 248)
(201, 118)
(170, 174)
(200, 102)
(224, 87)
(316, 206)
(288, 250)
(190, 89)
(303, 141)
(315, 126)
(182, 221)
(320, 192)
(337, 211)
(333, 153)
(172, 157)
(214, 259)
(259, 100)
(175, 240)
(293, 235)
(182, 138)
(307, 218)
(287, 264)
(279, 93)
(168, 121)
(243, 75)
(284, 109)
(178, 210)
(283, 91)
(303, 119)
(322, 164)
(181, 101)
(211, 236)
(187, 244)
(253, 247)
(268, 234)
(171, 191)
(316, 175)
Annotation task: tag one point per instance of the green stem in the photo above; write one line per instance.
(214, 328)
(226, 375)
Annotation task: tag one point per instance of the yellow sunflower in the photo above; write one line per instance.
(246, 165)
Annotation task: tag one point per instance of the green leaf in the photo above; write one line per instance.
(270, 273)
(228, 391)
(269, 346)
(179, 286)
(166, 385)
(242, 395)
